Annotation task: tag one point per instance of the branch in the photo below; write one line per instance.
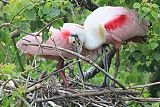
(18, 30)
(15, 27)
(146, 85)
(88, 4)
(93, 71)
(81, 57)
(14, 34)
(89, 93)
(50, 74)
(145, 99)
(5, 2)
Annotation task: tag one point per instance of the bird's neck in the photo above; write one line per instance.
(93, 40)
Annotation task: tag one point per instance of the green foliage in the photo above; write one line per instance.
(137, 60)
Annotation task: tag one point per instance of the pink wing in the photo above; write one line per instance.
(118, 22)
(56, 39)
(28, 39)
(126, 26)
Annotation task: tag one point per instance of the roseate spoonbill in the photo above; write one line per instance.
(58, 38)
(111, 25)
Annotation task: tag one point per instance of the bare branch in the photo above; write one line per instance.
(146, 85)
(88, 4)
(81, 57)
(89, 93)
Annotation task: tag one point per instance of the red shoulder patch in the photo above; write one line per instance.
(116, 22)
(65, 34)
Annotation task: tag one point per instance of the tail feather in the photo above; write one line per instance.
(137, 39)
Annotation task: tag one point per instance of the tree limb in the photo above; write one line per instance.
(81, 57)
(88, 93)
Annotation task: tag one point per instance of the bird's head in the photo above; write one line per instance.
(76, 38)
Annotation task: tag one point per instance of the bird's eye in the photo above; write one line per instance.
(74, 42)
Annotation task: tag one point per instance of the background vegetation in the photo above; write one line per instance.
(140, 63)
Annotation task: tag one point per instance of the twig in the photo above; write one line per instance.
(48, 25)
(15, 27)
(96, 93)
(50, 74)
(17, 53)
(3, 86)
(88, 4)
(142, 86)
(93, 71)
(140, 99)
(81, 57)
(33, 88)
(5, 2)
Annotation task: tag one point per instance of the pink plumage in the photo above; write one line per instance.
(58, 38)
(113, 25)
(116, 22)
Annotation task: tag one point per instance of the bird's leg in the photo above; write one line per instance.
(60, 65)
(116, 66)
(105, 52)
(70, 68)
(80, 70)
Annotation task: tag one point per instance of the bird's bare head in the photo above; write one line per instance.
(76, 38)
(76, 43)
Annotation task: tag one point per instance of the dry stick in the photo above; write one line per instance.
(80, 97)
(140, 99)
(52, 73)
(9, 24)
(83, 58)
(16, 34)
(20, 30)
(89, 100)
(88, 4)
(96, 93)
(48, 25)
(17, 53)
(146, 85)
(40, 48)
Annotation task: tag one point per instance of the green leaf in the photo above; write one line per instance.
(145, 9)
(136, 5)
(153, 45)
(30, 14)
(45, 10)
(45, 35)
(35, 25)
(122, 1)
(155, 5)
(54, 12)
(156, 56)
(40, 13)
(4, 37)
(137, 55)
(154, 14)
(148, 63)
(34, 75)
(30, 6)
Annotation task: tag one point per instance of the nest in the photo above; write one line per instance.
(51, 92)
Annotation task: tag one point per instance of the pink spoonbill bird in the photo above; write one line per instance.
(111, 25)
(59, 38)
